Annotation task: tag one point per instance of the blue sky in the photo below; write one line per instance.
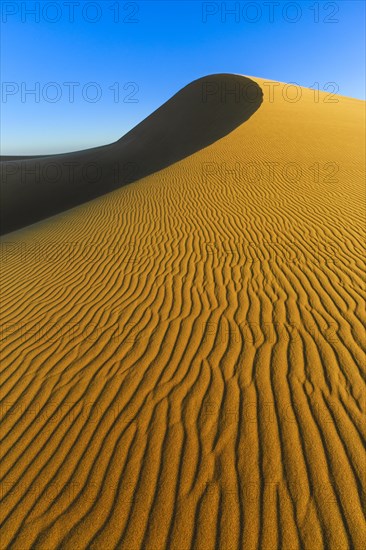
(98, 68)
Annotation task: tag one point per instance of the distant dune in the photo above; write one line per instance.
(183, 357)
(34, 188)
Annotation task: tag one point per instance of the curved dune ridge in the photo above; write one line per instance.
(37, 187)
(183, 358)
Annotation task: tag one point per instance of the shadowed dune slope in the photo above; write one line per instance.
(183, 358)
(35, 188)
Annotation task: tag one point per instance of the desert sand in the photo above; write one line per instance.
(183, 357)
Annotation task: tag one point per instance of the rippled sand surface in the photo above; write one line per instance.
(183, 358)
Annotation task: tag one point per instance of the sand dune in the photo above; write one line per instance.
(183, 358)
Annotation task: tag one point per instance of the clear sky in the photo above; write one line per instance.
(98, 68)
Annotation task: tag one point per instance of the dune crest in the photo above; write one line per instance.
(34, 188)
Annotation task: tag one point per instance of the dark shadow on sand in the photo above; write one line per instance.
(34, 188)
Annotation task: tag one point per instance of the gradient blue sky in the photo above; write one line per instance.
(159, 46)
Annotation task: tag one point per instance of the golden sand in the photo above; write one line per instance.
(183, 358)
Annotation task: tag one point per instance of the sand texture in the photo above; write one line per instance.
(183, 357)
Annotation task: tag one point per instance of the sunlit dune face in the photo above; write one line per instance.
(183, 357)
